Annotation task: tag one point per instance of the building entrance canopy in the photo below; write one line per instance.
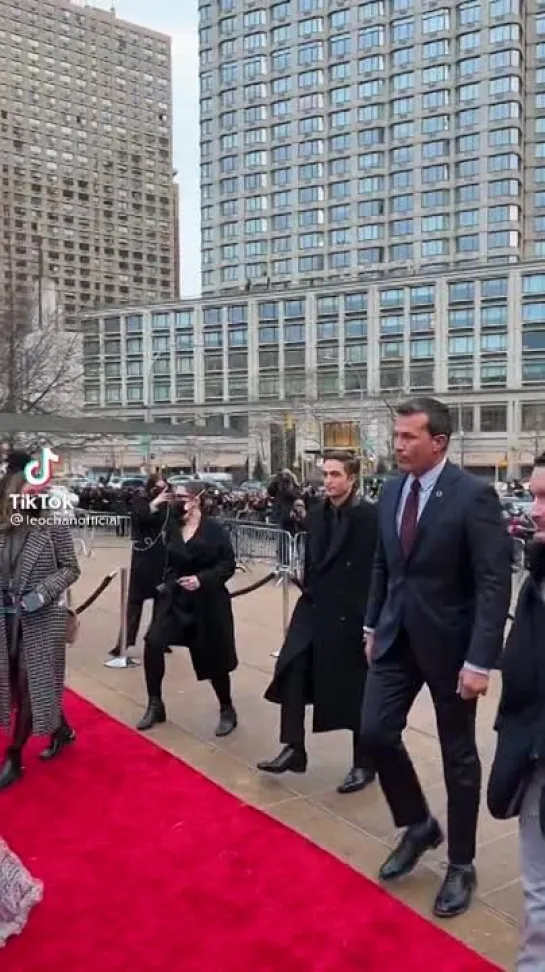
(61, 425)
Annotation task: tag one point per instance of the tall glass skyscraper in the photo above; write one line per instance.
(341, 138)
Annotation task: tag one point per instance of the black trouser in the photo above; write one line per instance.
(296, 686)
(134, 617)
(393, 683)
(154, 668)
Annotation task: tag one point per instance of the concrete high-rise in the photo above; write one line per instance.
(342, 138)
(88, 199)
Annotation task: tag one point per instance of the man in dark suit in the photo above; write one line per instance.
(321, 661)
(437, 609)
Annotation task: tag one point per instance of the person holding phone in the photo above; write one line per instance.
(149, 510)
(37, 565)
(193, 607)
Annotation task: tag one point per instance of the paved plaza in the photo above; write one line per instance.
(356, 828)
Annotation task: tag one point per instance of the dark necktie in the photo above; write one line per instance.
(409, 518)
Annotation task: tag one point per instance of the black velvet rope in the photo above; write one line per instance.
(255, 586)
(96, 593)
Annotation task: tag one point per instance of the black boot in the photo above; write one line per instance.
(154, 714)
(228, 721)
(62, 737)
(356, 779)
(292, 758)
(11, 769)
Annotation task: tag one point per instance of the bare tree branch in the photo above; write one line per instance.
(40, 362)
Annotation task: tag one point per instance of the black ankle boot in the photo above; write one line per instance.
(228, 721)
(11, 770)
(63, 736)
(154, 714)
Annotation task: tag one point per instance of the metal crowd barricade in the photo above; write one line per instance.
(256, 543)
(519, 565)
(299, 546)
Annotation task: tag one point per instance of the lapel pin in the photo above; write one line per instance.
(439, 494)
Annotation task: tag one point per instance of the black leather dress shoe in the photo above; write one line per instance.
(228, 721)
(290, 758)
(355, 780)
(154, 715)
(456, 891)
(11, 771)
(415, 842)
(61, 738)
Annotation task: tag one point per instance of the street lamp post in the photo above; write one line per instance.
(149, 399)
(461, 433)
(361, 417)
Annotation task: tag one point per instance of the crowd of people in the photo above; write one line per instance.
(412, 590)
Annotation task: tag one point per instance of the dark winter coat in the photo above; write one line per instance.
(329, 616)
(520, 723)
(201, 620)
(148, 555)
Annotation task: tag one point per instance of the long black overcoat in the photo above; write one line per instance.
(329, 616)
(210, 636)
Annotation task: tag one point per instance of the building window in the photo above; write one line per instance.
(493, 418)
(533, 417)
(460, 319)
(533, 284)
(391, 298)
(464, 290)
(460, 375)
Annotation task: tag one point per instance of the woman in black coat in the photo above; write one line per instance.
(149, 511)
(194, 607)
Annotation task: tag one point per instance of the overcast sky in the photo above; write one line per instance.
(179, 19)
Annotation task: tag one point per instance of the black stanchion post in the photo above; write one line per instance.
(123, 660)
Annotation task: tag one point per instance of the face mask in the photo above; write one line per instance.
(181, 506)
(536, 560)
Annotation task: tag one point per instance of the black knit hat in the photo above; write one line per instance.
(17, 460)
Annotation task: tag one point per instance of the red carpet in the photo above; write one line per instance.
(149, 867)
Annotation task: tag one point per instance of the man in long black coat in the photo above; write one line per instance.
(322, 661)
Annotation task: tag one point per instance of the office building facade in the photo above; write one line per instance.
(341, 137)
(325, 367)
(88, 200)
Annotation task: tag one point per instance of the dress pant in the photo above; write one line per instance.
(297, 687)
(393, 683)
(154, 670)
(532, 854)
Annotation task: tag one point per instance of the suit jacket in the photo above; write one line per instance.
(452, 593)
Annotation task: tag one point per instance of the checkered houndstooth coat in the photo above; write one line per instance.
(49, 566)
